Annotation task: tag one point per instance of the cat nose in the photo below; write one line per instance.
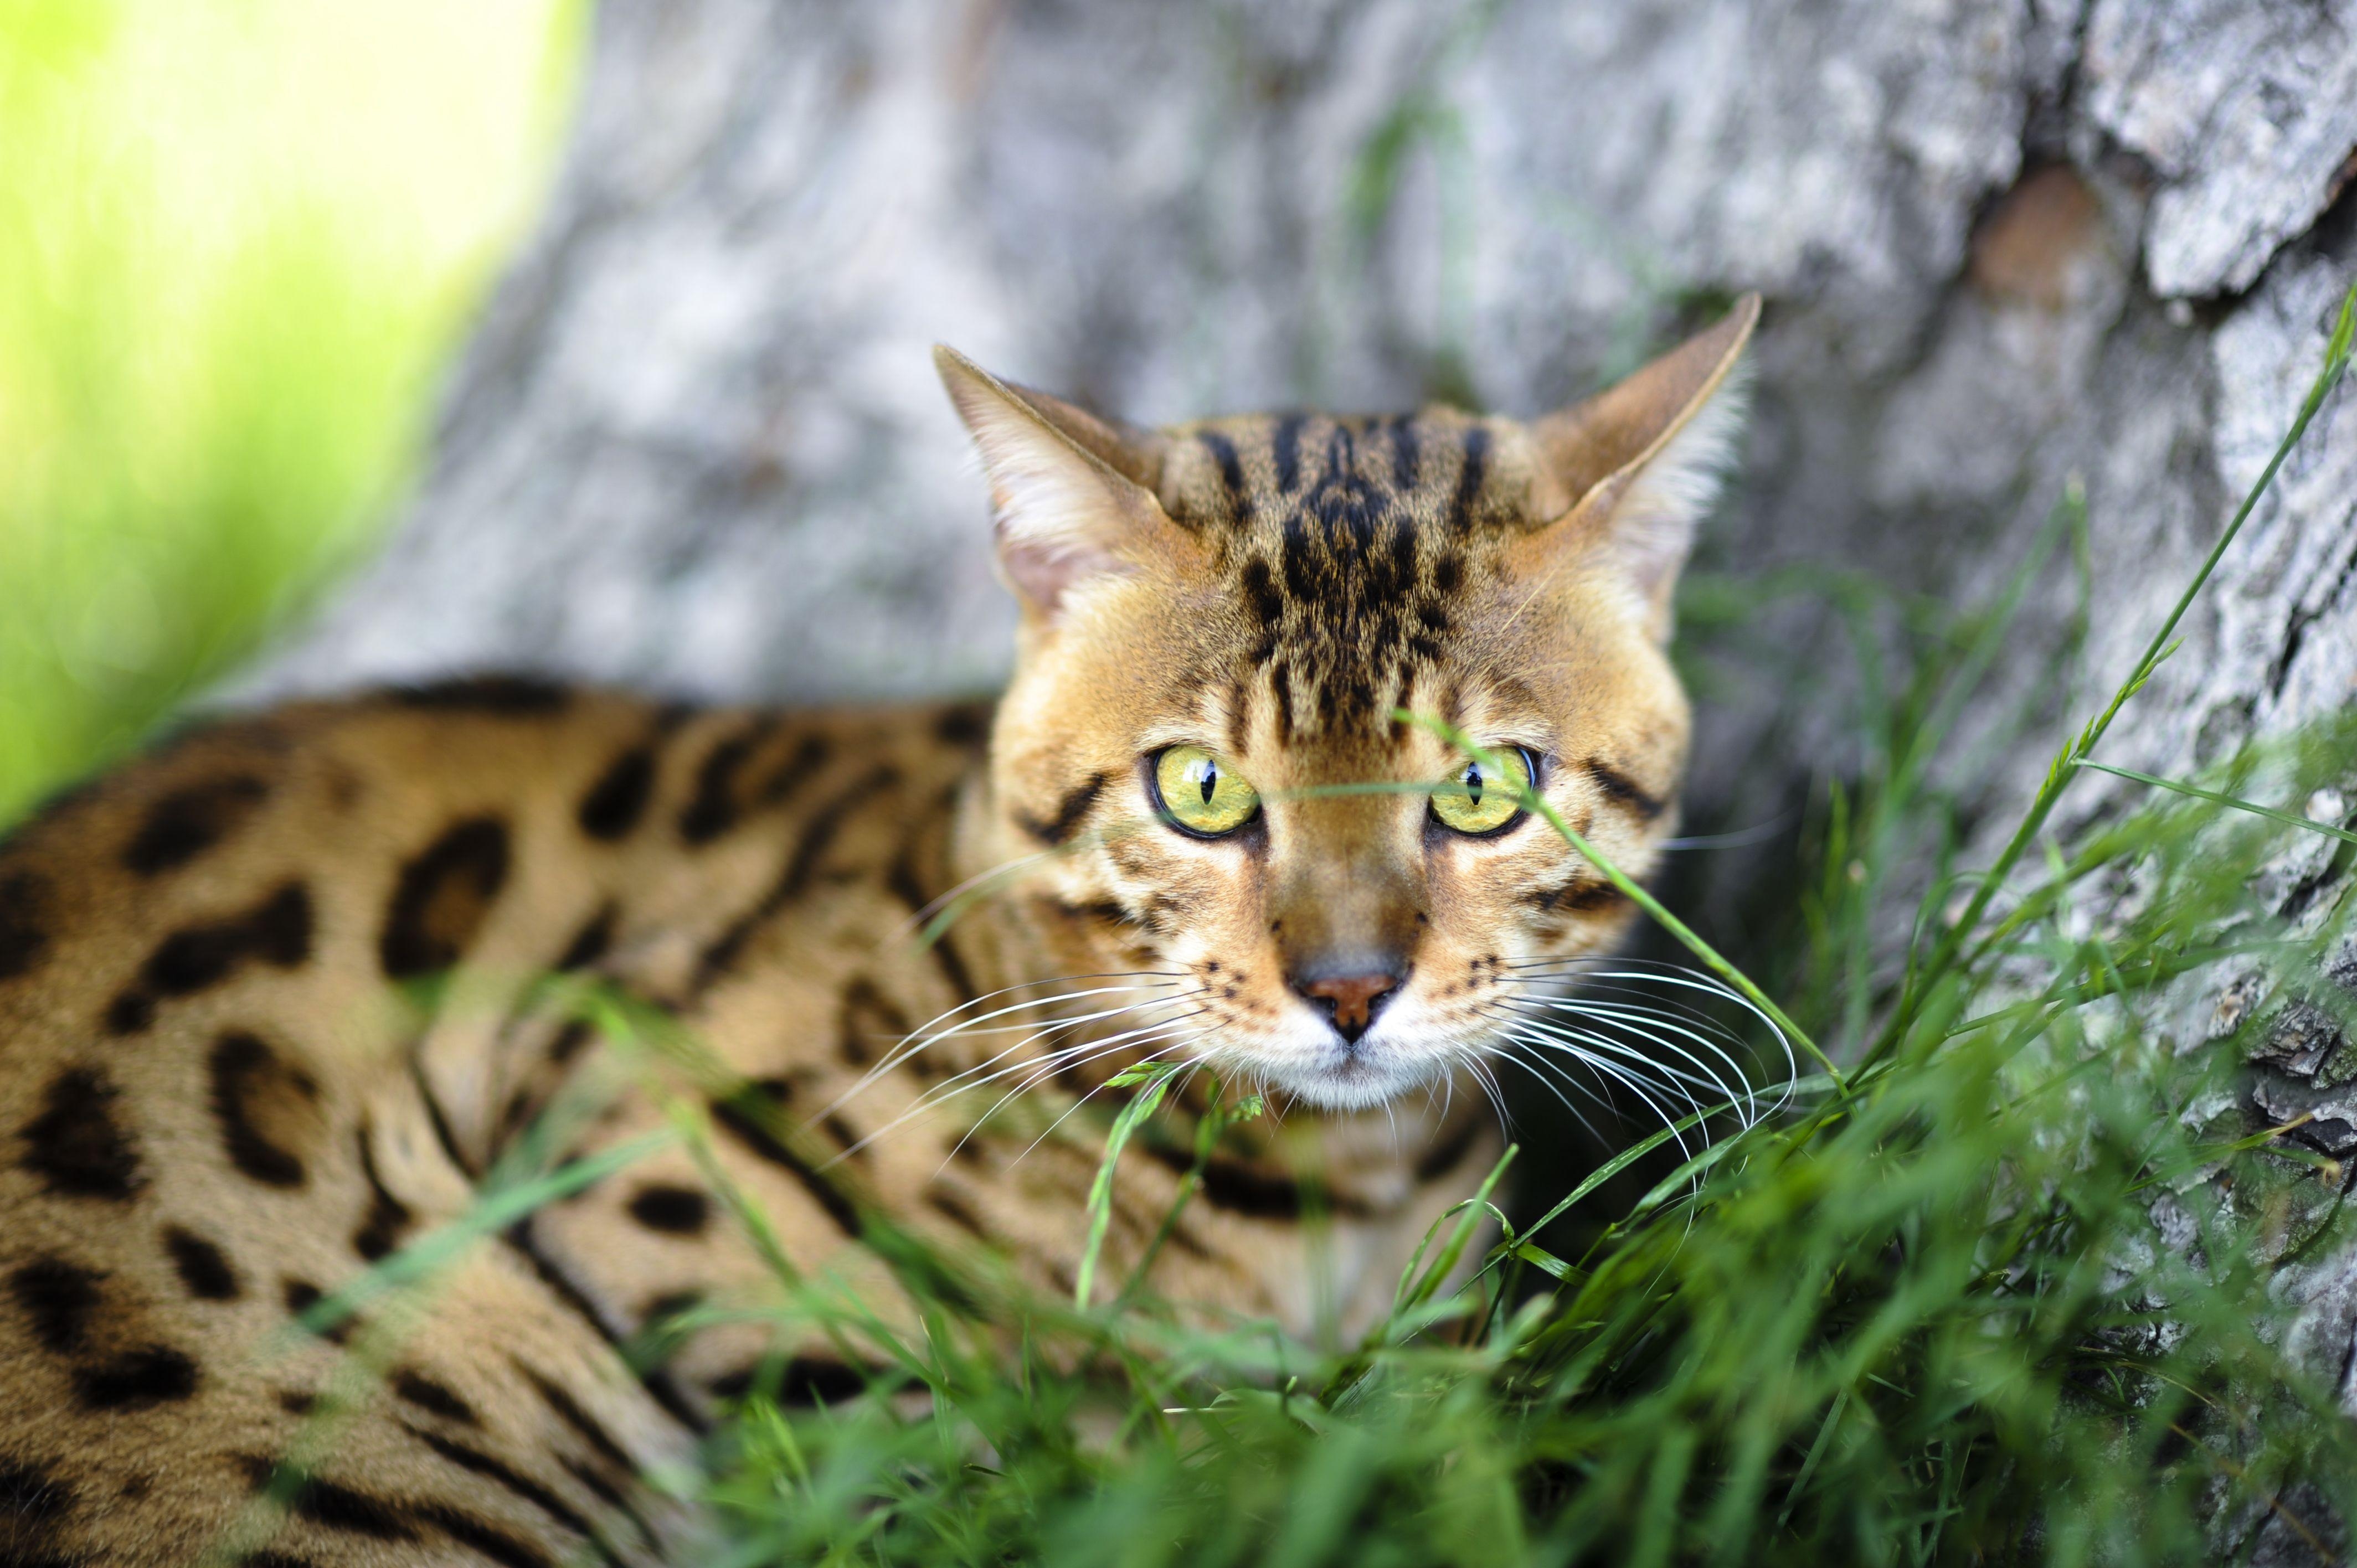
(1350, 998)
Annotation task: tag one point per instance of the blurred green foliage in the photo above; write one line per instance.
(238, 239)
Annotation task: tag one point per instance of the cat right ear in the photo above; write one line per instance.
(1071, 495)
(1633, 468)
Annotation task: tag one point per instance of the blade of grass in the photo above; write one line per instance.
(1153, 1081)
(491, 1213)
(1598, 1178)
(2064, 769)
(2215, 799)
(1414, 1290)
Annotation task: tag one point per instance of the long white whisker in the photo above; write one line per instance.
(1710, 1035)
(921, 1039)
(1611, 994)
(1091, 1094)
(1657, 972)
(1662, 1077)
(1051, 979)
(1081, 1055)
(1743, 1101)
(1049, 1063)
(1049, 1031)
(1639, 1021)
(1634, 1083)
(1600, 1064)
(1547, 1072)
(1492, 1091)
(1050, 996)
(939, 1026)
(1633, 1076)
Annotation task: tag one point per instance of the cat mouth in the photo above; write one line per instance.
(1351, 1075)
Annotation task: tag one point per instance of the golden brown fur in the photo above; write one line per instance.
(274, 1002)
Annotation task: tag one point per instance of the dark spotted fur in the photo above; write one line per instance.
(78, 1145)
(1347, 539)
(443, 898)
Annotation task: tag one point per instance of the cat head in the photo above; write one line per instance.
(1202, 759)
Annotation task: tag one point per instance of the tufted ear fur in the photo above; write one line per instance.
(1071, 495)
(1634, 467)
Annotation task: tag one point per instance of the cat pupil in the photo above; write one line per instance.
(1473, 782)
(1211, 781)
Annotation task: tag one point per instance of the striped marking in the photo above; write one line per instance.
(741, 1119)
(818, 836)
(1469, 480)
(475, 1462)
(1622, 790)
(1232, 474)
(1075, 805)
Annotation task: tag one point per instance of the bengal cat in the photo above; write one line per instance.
(275, 1001)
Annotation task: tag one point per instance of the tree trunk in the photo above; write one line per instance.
(698, 442)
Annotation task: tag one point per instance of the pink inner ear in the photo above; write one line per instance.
(1043, 571)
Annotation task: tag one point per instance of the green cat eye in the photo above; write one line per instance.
(1196, 791)
(1476, 798)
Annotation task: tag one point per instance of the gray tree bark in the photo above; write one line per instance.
(697, 443)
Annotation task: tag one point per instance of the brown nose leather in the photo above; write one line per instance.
(1353, 998)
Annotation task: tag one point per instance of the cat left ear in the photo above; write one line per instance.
(1635, 467)
(1071, 495)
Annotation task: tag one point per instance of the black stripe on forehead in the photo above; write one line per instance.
(1232, 476)
(1256, 476)
(1405, 454)
(1239, 714)
(1346, 545)
(1469, 480)
(1285, 444)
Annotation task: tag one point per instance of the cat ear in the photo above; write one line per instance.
(1071, 495)
(1635, 467)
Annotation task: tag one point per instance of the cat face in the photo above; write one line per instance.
(1223, 762)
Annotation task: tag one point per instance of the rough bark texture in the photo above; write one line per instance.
(698, 442)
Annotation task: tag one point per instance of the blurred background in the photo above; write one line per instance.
(369, 341)
(237, 243)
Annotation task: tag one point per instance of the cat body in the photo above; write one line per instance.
(283, 1003)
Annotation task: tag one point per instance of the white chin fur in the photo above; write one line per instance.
(1338, 1078)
